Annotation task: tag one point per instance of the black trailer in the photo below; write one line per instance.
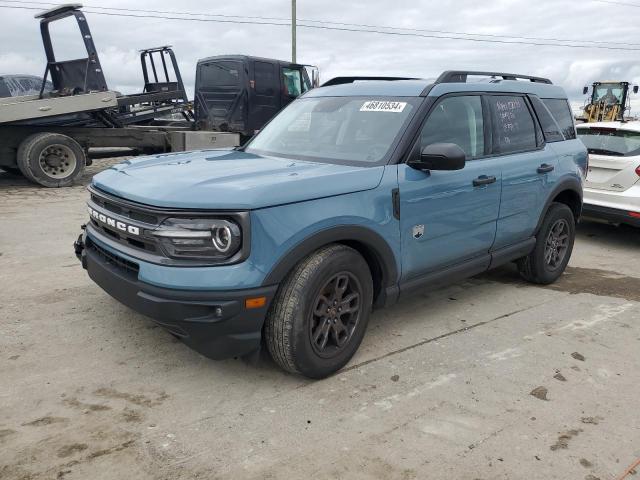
(239, 93)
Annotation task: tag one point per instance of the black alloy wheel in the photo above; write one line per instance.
(557, 244)
(335, 315)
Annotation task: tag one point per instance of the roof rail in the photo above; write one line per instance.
(343, 80)
(460, 76)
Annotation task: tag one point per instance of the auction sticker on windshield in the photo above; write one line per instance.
(382, 106)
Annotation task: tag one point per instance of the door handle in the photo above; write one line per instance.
(545, 168)
(483, 180)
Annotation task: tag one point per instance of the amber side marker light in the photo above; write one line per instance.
(256, 302)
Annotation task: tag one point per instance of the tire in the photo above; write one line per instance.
(51, 159)
(299, 339)
(557, 233)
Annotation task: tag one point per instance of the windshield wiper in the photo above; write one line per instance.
(604, 151)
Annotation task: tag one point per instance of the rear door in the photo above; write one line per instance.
(614, 156)
(264, 96)
(527, 163)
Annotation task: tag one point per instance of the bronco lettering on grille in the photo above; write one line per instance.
(112, 222)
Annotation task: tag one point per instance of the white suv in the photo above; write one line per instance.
(612, 188)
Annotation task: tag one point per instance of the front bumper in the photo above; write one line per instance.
(217, 324)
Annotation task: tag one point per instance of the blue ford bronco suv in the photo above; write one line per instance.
(356, 194)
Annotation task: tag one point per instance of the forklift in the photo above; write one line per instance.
(608, 102)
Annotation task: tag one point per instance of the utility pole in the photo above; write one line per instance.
(293, 31)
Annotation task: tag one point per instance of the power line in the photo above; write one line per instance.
(613, 2)
(360, 25)
(345, 29)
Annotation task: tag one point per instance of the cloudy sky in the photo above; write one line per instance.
(584, 22)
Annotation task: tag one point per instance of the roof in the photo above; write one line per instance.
(420, 87)
(243, 58)
(633, 125)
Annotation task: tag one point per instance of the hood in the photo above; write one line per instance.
(229, 179)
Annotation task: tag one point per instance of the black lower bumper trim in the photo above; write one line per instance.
(609, 214)
(214, 323)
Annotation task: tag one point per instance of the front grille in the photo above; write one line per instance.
(122, 264)
(125, 211)
(142, 243)
(143, 217)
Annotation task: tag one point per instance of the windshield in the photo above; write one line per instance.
(610, 142)
(608, 92)
(336, 129)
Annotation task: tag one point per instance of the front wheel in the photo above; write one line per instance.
(554, 244)
(319, 316)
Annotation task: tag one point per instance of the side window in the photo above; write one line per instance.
(220, 74)
(456, 120)
(560, 110)
(513, 126)
(4, 89)
(550, 128)
(265, 78)
(292, 81)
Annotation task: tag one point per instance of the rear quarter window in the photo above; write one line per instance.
(561, 111)
(550, 128)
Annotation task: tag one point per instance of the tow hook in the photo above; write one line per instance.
(78, 245)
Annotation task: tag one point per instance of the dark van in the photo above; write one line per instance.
(238, 93)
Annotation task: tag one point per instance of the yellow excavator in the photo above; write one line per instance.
(609, 100)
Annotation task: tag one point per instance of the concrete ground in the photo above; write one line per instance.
(491, 378)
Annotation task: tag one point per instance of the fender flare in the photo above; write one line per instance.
(374, 242)
(569, 183)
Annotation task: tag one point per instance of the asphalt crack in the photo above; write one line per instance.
(434, 339)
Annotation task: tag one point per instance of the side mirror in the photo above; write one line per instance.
(440, 156)
(635, 89)
(585, 90)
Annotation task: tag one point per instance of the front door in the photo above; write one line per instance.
(294, 83)
(448, 217)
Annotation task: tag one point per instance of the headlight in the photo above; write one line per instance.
(216, 239)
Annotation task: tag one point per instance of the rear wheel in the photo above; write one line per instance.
(554, 244)
(320, 314)
(51, 159)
